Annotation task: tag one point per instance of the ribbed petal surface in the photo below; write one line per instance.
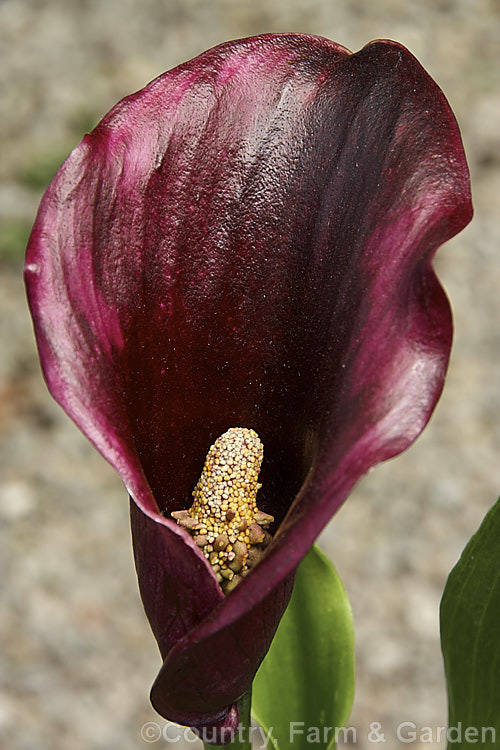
(248, 242)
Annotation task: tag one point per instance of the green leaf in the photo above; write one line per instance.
(470, 639)
(306, 680)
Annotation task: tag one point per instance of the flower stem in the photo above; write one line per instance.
(243, 738)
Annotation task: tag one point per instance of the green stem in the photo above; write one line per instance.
(243, 737)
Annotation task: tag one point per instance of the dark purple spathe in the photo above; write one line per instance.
(247, 242)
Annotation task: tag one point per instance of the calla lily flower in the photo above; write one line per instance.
(247, 242)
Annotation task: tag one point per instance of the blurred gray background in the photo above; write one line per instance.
(77, 656)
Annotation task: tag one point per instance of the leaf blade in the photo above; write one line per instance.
(310, 671)
(470, 637)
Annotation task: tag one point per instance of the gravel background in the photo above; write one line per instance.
(77, 657)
